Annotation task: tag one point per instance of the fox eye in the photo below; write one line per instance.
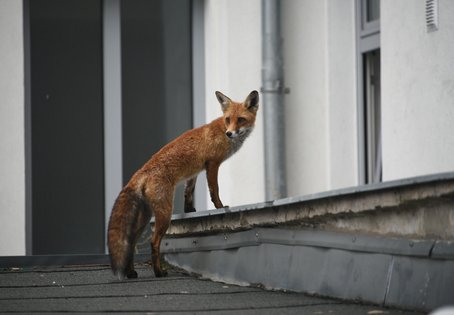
(227, 120)
(241, 120)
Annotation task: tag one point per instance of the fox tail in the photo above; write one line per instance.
(127, 221)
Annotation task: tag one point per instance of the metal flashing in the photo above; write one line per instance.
(387, 271)
(443, 250)
(313, 238)
(222, 241)
(421, 283)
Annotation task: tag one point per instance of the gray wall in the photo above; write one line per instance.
(67, 127)
(156, 79)
(53, 200)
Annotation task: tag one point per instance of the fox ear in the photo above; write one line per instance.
(223, 100)
(252, 101)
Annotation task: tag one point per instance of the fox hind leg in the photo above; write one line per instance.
(143, 218)
(129, 270)
(189, 195)
(162, 222)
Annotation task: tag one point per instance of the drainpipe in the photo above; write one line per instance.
(272, 100)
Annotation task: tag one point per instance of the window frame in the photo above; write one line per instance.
(368, 40)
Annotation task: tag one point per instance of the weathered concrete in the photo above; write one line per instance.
(422, 207)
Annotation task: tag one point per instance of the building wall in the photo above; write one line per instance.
(418, 90)
(12, 157)
(304, 31)
(319, 61)
(232, 66)
(320, 69)
(321, 109)
(341, 90)
(321, 122)
(319, 57)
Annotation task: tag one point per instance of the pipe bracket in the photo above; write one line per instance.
(275, 90)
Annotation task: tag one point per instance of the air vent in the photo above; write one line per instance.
(432, 15)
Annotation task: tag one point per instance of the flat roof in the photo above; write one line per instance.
(93, 289)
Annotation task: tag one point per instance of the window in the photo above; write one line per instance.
(373, 168)
(372, 8)
(369, 90)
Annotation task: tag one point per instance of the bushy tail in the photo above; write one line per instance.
(126, 223)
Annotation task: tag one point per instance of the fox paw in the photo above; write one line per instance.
(189, 210)
(160, 273)
(132, 274)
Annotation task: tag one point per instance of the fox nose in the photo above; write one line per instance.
(229, 134)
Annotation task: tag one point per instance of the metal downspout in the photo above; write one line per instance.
(272, 99)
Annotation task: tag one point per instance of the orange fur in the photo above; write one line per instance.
(151, 188)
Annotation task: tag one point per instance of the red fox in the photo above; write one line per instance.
(151, 189)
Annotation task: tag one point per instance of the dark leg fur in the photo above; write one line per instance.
(162, 222)
(189, 195)
(129, 270)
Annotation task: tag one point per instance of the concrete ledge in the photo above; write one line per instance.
(420, 207)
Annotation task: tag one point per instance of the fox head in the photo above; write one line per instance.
(239, 118)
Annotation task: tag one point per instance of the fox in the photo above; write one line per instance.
(151, 189)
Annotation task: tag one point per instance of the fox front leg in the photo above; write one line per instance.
(212, 178)
(189, 195)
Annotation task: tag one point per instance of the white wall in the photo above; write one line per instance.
(320, 69)
(12, 156)
(304, 32)
(233, 63)
(321, 109)
(342, 102)
(417, 90)
(319, 58)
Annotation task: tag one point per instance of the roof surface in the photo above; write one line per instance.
(93, 289)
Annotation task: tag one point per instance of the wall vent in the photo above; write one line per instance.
(431, 15)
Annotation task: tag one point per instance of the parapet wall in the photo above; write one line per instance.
(420, 207)
(390, 243)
